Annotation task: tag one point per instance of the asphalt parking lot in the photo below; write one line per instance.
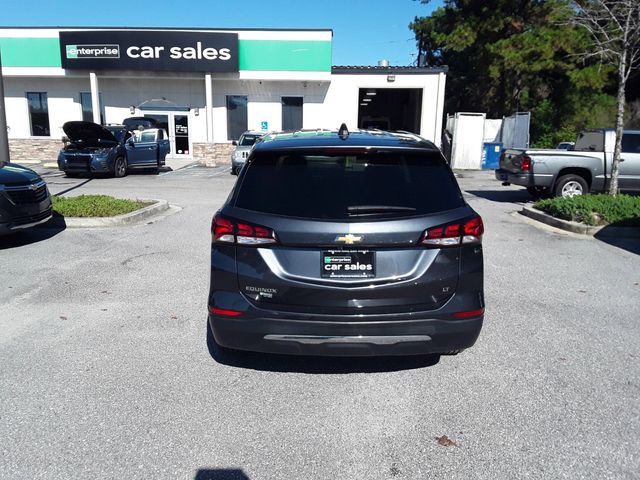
(105, 370)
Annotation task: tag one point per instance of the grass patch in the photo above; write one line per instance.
(623, 210)
(94, 206)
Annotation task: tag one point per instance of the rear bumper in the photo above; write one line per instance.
(328, 336)
(524, 179)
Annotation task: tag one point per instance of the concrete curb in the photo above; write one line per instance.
(575, 227)
(134, 217)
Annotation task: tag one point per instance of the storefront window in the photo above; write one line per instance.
(291, 113)
(38, 114)
(236, 116)
(87, 107)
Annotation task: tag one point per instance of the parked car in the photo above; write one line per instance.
(565, 145)
(24, 198)
(243, 147)
(583, 169)
(113, 149)
(347, 244)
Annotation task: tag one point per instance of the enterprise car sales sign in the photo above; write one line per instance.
(150, 51)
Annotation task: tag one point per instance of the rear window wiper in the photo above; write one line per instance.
(376, 209)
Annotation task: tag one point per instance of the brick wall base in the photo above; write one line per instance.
(213, 154)
(42, 149)
(46, 150)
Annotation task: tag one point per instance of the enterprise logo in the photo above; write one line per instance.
(93, 51)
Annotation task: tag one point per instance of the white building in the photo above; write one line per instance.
(205, 86)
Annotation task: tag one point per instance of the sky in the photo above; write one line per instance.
(363, 31)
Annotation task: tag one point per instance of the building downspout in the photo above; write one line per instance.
(437, 131)
(95, 98)
(4, 140)
(209, 106)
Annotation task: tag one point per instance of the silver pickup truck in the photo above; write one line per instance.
(583, 169)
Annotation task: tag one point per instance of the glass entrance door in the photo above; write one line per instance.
(177, 127)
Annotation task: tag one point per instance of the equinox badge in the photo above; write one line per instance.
(348, 239)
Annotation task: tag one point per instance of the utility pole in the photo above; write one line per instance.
(4, 141)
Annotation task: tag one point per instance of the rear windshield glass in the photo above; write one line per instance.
(364, 186)
(589, 142)
(248, 140)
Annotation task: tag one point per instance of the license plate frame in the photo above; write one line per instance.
(348, 264)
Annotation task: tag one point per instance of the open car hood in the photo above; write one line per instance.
(133, 123)
(89, 134)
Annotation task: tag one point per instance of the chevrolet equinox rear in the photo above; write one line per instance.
(346, 244)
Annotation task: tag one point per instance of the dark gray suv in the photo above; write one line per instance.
(346, 244)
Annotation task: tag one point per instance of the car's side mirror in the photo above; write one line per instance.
(234, 143)
(131, 143)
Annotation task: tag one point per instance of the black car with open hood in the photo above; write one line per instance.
(114, 149)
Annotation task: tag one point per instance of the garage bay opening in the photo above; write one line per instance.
(390, 108)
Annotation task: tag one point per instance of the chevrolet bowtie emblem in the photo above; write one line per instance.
(33, 187)
(348, 239)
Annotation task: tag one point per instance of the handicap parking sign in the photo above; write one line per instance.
(264, 125)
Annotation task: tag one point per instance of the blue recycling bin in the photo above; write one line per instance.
(491, 155)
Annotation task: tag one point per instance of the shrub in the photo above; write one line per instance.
(94, 206)
(623, 210)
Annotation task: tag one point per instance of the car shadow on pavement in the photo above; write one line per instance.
(220, 474)
(609, 236)
(33, 235)
(315, 364)
(503, 196)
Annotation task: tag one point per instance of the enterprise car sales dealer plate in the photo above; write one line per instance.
(347, 264)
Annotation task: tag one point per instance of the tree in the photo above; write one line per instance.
(614, 26)
(510, 55)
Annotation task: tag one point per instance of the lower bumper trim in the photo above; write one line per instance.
(358, 339)
(32, 224)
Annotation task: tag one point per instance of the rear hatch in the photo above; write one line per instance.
(511, 160)
(340, 233)
(140, 123)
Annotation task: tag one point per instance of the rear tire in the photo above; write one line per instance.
(570, 186)
(120, 167)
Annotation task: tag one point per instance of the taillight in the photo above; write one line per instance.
(468, 313)
(225, 230)
(224, 312)
(454, 234)
(525, 163)
(222, 230)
